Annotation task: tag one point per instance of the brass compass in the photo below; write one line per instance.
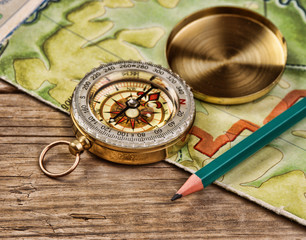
(129, 112)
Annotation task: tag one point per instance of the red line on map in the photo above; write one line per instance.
(209, 147)
(285, 103)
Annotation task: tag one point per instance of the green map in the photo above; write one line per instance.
(60, 43)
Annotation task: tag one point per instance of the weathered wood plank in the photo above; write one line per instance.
(7, 88)
(103, 200)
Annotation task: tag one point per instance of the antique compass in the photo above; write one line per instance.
(129, 112)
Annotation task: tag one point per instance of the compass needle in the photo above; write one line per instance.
(145, 93)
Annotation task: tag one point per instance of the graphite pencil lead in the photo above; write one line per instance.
(176, 196)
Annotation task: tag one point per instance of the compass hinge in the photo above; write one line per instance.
(78, 146)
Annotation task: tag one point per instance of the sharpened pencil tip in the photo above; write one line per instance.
(176, 196)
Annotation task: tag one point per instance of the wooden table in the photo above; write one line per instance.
(103, 200)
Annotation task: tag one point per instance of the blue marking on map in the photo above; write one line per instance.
(287, 2)
(35, 15)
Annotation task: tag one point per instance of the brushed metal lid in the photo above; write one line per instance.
(227, 55)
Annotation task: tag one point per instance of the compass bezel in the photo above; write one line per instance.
(181, 121)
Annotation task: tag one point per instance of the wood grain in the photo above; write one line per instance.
(103, 200)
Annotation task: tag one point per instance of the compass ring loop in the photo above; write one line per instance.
(41, 160)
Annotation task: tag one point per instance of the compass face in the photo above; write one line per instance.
(133, 105)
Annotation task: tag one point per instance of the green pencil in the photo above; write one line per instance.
(228, 160)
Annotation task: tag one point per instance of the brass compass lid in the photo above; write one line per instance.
(228, 55)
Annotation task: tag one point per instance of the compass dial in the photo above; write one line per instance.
(132, 106)
(133, 112)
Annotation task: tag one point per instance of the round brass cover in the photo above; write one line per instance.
(228, 55)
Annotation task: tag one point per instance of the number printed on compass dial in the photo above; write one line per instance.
(131, 105)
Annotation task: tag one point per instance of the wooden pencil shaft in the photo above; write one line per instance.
(252, 143)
